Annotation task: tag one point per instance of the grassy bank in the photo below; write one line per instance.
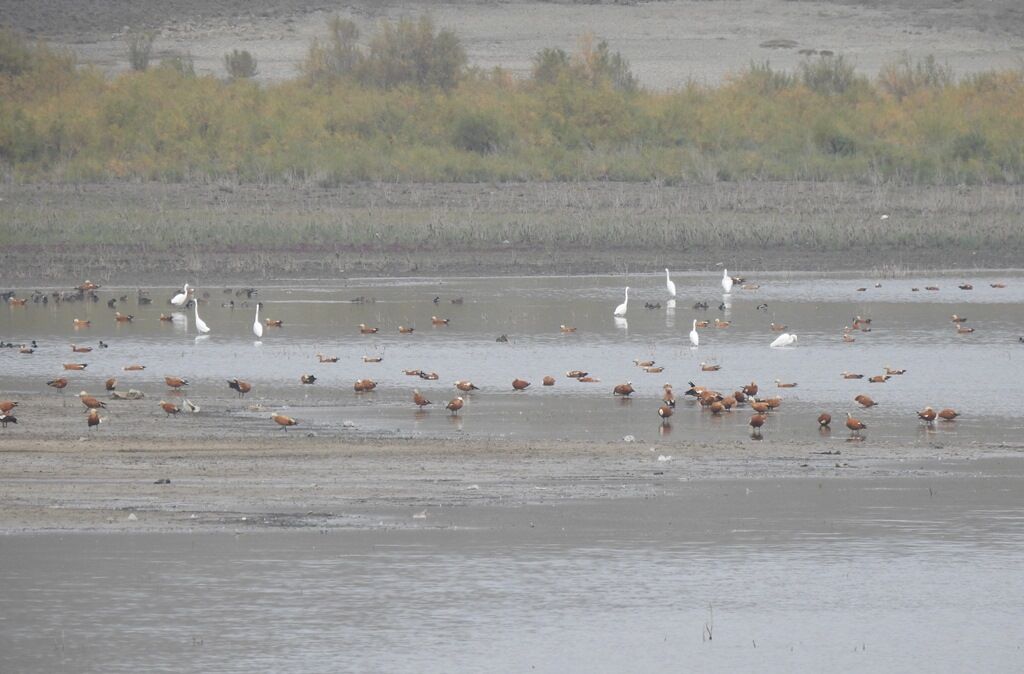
(362, 113)
(128, 231)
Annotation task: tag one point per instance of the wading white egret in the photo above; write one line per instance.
(726, 281)
(182, 297)
(694, 337)
(785, 339)
(201, 325)
(620, 310)
(257, 327)
(671, 287)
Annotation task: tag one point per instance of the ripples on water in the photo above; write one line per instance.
(977, 373)
(800, 576)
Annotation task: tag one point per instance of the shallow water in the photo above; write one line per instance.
(978, 374)
(799, 574)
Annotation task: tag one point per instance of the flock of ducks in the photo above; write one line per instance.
(714, 402)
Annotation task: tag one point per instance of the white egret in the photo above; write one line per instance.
(201, 325)
(620, 310)
(671, 287)
(785, 339)
(694, 337)
(182, 297)
(726, 281)
(257, 327)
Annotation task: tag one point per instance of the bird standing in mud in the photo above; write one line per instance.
(419, 400)
(94, 418)
(455, 405)
(283, 421)
(855, 425)
(242, 387)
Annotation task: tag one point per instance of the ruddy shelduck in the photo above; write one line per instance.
(567, 328)
(436, 320)
(405, 330)
(927, 415)
(58, 384)
(373, 359)
(175, 382)
(455, 405)
(364, 385)
(466, 386)
(276, 323)
(623, 389)
(8, 405)
(94, 418)
(643, 363)
(879, 378)
(864, 401)
(134, 367)
(948, 414)
(708, 367)
(520, 384)
(241, 387)
(548, 380)
(419, 400)
(756, 422)
(81, 349)
(851, 375)
(90, 402)
(824, 419)
(123, 318)
(283, 421)
(855, 425)
(366, 329)
(665, 411)
(110, 384)
(783, 384)
(326, 359)
(82, 323)
(75, 366)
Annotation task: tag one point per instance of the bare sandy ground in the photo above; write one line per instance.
(668, 43)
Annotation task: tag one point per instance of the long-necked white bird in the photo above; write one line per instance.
(182, 297)
(694, 337)
(257, 327)
(620, 310)
(671, 287)
(201, 325)
(785, 339)
(726, 281)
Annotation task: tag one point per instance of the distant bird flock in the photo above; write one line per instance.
(714, 402)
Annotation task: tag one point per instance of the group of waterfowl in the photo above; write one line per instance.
(713, 401)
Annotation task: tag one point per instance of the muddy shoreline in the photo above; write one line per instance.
(153, 233)
(298, 482)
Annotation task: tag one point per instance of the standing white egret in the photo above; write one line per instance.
(182, 297)
(201, 325)
(694, 337)
(257, 327)
(785, 339)
(671, 287)
(620, 310)
(726, 281)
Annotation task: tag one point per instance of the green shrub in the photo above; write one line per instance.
(240, 64)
